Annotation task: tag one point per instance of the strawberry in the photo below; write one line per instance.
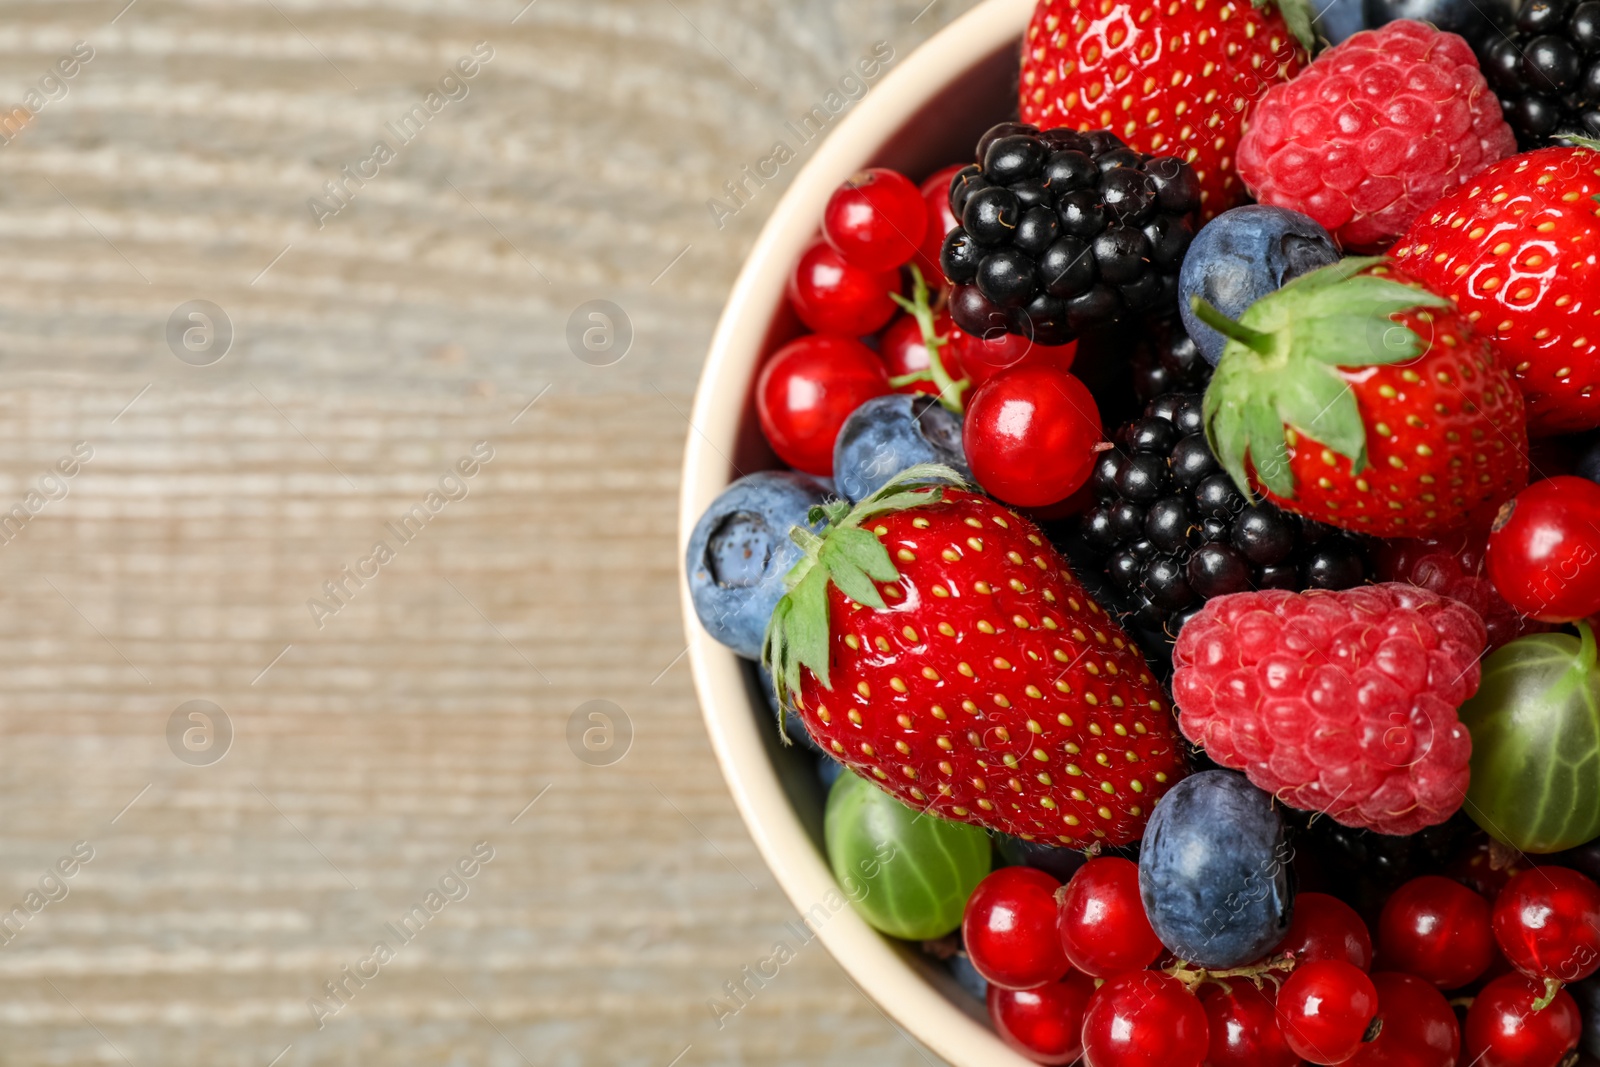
(1518, 248)
(937, 644)
(1169, 77)
(1358, 398)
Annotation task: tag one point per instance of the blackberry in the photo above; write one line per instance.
(1165, 360)
(1169, 530)
(1063, 232)
(1547, 71)
(1362, 867)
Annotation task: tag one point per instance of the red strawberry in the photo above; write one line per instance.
(1359, 399)
(1169, 77)
(936, 643)
(1518, 248)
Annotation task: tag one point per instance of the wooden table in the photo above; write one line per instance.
(375, 341)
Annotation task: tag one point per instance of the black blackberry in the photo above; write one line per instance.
(1362, 867)
(1169, 530)
(1062, 232)
(1546, 71)
(1165, 360)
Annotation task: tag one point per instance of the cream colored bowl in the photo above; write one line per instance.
(927, 112)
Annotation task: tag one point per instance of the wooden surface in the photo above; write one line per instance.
(369, 355)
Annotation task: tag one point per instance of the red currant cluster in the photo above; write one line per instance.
(1076, 971)
(1023, 413)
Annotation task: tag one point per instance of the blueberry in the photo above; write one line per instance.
(967, 976)
(1242, 255)
(886, 435)
(740, 550)
(1213, 871)
(1477, 20)
(1340, 19)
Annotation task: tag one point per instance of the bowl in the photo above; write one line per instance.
(926, 112)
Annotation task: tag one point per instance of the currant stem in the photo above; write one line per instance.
(1194, 977)
(1254, 340)
(919, 308)
(1552, 986)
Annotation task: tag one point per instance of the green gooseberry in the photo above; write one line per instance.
(908, 873)
(1535, 724)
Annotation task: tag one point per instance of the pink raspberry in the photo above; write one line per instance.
(1374, 132)
(1338, 702)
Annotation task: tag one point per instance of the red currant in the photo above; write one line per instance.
(1325, 1010)
(1030, 434)
(1009, 929)
(1102, 922)
(999, 350)
(1044, 1024)
(1419, 1028)
(876, 219)
(1547, 922)
(1326, 928)
(831, 296)
(1438, 929)
(941, 220)
(1486, 867)
(1145, 1019)
(1504, 1029)
(903, 352)
(1244, 1028)
(807, 390)
(1543, 546)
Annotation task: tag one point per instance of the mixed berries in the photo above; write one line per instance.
(1189, 602)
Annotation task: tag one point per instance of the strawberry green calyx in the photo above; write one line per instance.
(852, 559)
(1592, 144)
(919, 308)
(1297, 15)
(1281, 367)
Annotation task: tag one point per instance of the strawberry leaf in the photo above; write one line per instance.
(1590, 143)
(1321, 404)
(1355, 325)
(1281, 367)
(865, 552)
(853, 581)
(1332, 274)
(808, 629)
(1296, 15)
(1268, 454)
(852, 559)
(1226, 435)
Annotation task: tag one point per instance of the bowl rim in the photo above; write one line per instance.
(876, 965)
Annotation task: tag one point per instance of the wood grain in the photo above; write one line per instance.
(369, 355)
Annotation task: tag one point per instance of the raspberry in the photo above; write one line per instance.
(1375, 131)
(1337, 702)
(1452, 566)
